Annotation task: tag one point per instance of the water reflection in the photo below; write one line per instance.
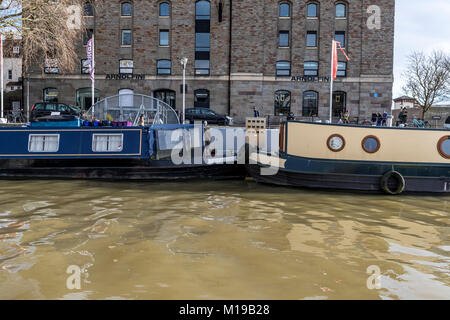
(214, 240)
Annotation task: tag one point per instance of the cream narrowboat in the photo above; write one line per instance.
(393, 160)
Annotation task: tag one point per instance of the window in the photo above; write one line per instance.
(126, 9)
(88, 9)
(311, 68)
(10, 74)
(312, 11)
(202, 67)
(339, 36)
(126, 98)
(282, 102)
(310, 104)
(16, 50)
(126, 38)
(203, 10)
(444, 147)
(342, 69)
(51, 95)
(87, 35)
(202, 42)
(85, 68)
(164, 38)
(284, 39)
(311, 39)
(43, 143)
(107, 142)
(201, 98)
(51, 66)
(167, 96)
(371, 144)
(341, 10)
(164, 9)
(285, 10)
(220, 12)
(126, 66)
(202, 38)
(164, 67)
(283, 68)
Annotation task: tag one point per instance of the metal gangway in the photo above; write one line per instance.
(130, 107)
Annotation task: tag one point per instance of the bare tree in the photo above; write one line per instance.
(49, 30)
(427, 78)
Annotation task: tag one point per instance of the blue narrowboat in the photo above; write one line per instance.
(60, 150)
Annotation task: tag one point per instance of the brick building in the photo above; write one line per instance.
(271, 54)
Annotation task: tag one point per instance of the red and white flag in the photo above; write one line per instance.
(90, 58)
(336, 45)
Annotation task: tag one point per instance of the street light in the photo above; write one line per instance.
(184, 62)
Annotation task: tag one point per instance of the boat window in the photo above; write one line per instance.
(336, 143)
(371, 144)
(43, 143)
(107, 142)
(444, 147)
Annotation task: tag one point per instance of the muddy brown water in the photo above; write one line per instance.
(219, 240)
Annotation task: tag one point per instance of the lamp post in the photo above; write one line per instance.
(184, 62)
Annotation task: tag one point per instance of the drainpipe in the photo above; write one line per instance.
(229, 57)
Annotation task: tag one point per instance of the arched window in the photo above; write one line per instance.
(126, 9)
(341, 10)
(312, 10)
(201, 98)
(51, 95)
(164, 67)
(88, 9)
(164, 9)
(167, 96)
(282, 103)
(310, 104)
(285, 10)
(126, 98)
(84, 98)
(202, 10)
(339, 103)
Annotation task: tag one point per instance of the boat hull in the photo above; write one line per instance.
(116, 170)
(349, 181)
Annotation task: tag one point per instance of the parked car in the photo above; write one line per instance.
(447, 123)
(205, 114)
(44, 109)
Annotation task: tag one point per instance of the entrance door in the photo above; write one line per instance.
(167, 96)
(339, 103)
(84, 98)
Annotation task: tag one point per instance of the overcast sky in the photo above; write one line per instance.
(420, 25)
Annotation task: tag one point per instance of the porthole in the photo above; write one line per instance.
(444, 147)
(336, 143)
(371, 144)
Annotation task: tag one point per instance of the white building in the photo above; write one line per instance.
(12, 65)
(405, 102)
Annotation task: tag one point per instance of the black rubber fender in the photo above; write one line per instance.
(400, 183)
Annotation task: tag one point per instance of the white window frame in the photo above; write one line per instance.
(107, 135)
(30, 136)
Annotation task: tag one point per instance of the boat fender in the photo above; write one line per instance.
(400, 185)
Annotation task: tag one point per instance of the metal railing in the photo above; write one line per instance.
(130, 107)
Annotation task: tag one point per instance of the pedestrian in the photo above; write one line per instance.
(347, 117)
(255, 112)
(379, 119)
(385, 118)
(374, 118)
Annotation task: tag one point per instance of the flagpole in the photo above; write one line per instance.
(331, 81)
(93, 76)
